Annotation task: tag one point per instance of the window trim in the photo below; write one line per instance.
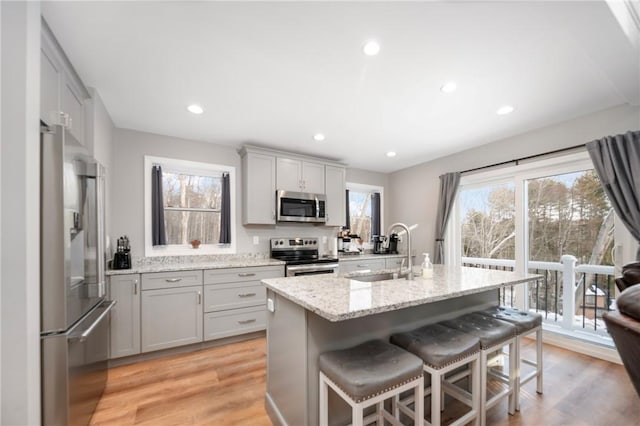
(189, 167)
(362, 187)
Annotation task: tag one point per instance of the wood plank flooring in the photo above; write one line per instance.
(225, 386)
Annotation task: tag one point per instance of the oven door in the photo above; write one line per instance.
(300, 207)
(312, 269)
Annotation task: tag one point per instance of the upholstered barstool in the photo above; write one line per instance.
(526, 323)
(443, 349)
(494, 334)
(367, 375)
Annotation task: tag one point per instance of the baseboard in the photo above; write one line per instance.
(117, 362)
(580, 346)
(272, 411)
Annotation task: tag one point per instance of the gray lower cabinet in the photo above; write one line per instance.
(233, 322)
(171, 317)
(125, 316)
(361, 265)
(395, 262)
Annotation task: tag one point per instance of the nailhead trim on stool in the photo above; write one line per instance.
(367, 375)
(494, 335)
(526, 323)
(443, 349)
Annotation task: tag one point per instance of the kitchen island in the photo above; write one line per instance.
(313, 314)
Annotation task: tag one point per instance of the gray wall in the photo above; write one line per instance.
(127, 182)
(20, 218)
(413, 194)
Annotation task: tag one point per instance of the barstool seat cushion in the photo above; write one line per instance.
(437, 345)
(489, 330)
(524, 321)
(370, 368)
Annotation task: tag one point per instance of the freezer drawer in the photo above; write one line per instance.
(74, 369)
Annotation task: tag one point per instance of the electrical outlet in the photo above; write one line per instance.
(256, 240)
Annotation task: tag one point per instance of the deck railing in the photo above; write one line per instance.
(583, 292)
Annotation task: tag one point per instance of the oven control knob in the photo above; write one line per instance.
(314, 242)
(281, 242)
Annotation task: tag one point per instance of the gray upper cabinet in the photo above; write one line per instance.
(62, 92)
(300, 176)
(125, 316)
(49, 90)
(258, 188)
(335, 192)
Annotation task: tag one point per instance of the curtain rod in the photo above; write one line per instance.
(517, 160)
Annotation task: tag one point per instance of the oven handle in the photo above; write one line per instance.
(311, 267)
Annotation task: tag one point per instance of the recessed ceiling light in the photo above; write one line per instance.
(504, 110)
(449, 87)
(318, 137)
(371, 48)
(195, 108)
(391, 154)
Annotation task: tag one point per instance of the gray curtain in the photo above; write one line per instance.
(375, 214)
(225, 211)
(617, 162)
(347, 221)
(158, 232)
(448, 188)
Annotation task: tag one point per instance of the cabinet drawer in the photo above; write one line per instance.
(234, 275)
(233, 322)
(361, 265)
(159, 280)
(231, 296)
(395, 262)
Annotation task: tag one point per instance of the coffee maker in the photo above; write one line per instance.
(393, 244)
(122, 256)
(379, 246)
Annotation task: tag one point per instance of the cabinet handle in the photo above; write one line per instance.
(246, 294)
(199, 298)
(135, 286)
(249, 321)
(65, 119)
(173, 280)
(247, 274)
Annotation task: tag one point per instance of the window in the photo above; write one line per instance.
(488, 221)
(192, 204)
(362, 214)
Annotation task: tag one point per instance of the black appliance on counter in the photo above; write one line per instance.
(301, 256)
(392, 247)
(379, 246)
(122, 256)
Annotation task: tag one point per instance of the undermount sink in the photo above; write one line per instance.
(374, 277)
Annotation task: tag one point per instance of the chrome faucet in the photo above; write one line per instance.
(409, 261)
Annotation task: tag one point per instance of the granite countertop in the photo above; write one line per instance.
(342, 298)
(167, 266)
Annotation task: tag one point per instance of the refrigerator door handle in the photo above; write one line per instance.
(81, 337)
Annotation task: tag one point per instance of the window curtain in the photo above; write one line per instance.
(449, 183)
(616, 160)
(347, 221)
(158, 232)
(225, 211)
(375, 214)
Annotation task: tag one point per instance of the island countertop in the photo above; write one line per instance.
(342, 298)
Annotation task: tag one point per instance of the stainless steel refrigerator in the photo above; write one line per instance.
(74, 310)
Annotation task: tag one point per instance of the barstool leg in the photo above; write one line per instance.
(379, 410)
(513, 379)
(324, 402)
(394, 407)
(518, 356)
(539, 359)
(483, 387)
(418, 405)
(475, 389)
(356, 415)
(436, 384)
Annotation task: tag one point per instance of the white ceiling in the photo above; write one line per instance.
(274, 74)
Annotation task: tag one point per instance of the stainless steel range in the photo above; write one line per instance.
(301, 257)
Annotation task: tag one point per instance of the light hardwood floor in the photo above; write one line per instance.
(225, 386)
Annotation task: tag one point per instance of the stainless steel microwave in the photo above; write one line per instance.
(300, 207)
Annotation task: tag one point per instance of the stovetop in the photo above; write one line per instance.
(298, 251)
